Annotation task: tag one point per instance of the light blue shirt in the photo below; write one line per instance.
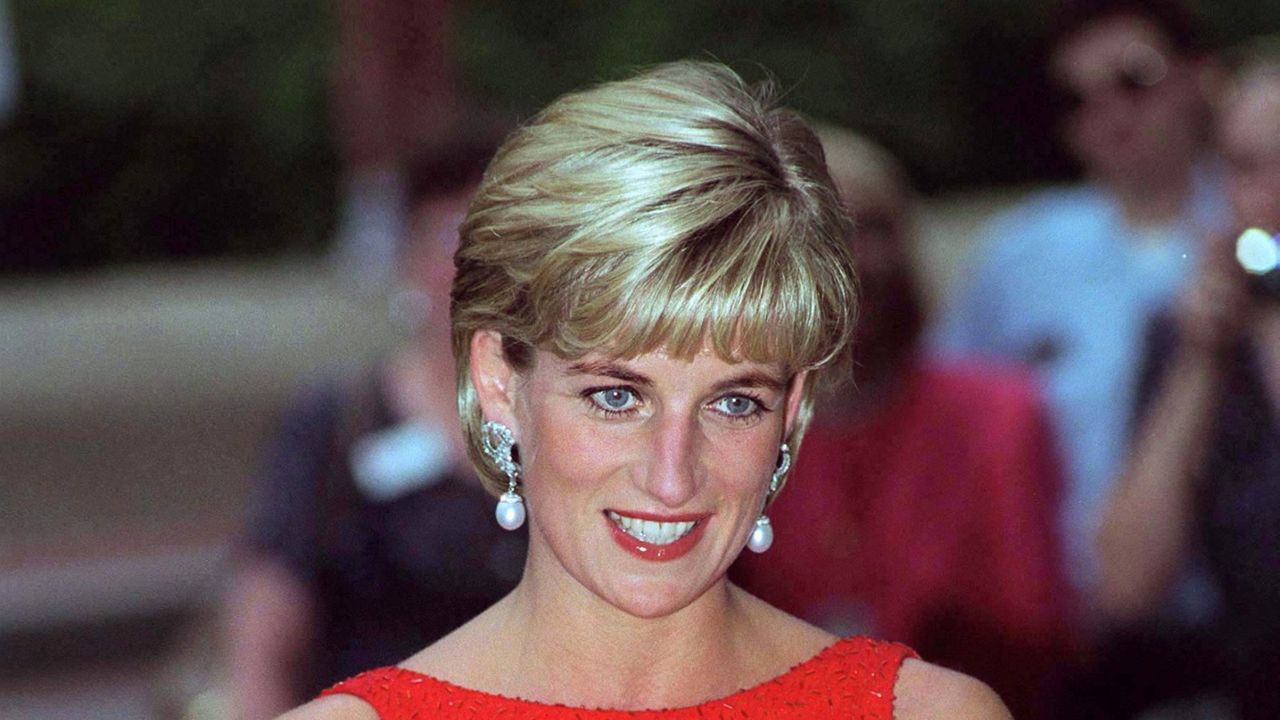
(1065, 285)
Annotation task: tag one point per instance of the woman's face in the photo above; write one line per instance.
(1249, 135)
(644, 476)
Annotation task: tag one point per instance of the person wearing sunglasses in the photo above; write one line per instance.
(1068, 278)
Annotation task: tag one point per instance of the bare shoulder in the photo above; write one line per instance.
(925, 692)
(333, 707)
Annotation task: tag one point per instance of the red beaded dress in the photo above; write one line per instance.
(852, 679)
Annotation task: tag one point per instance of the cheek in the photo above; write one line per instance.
(1270, 185)
(1256, 198)
(743, 466)
(1174, 120)
(1081, 137)
(565, 452)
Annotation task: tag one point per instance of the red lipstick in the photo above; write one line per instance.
(651, 551)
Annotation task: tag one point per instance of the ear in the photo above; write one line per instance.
(795, 394)
(493, 378)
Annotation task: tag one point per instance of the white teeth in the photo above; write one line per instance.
(650, 531)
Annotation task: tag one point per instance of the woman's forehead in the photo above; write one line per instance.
(665, 360)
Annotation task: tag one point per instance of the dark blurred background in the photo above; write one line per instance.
(153, 130)
(169, 185)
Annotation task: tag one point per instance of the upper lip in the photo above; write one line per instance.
(659, 517)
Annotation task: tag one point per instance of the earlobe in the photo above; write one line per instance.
(493, 377)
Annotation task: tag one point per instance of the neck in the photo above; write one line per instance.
(588, 653)
(1159, 199)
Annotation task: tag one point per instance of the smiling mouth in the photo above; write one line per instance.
(651, 531)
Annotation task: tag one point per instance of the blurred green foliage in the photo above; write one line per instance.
(170, 128)
(166, 128)
(915, 74)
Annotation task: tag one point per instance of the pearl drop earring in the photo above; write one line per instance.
(499, 446)
(762, 534)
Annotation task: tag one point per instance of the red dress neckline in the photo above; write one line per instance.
(851, 674)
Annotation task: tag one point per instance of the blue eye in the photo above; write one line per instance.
(615, 399)
(737, 405)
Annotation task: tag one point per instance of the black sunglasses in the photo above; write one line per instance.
(1130, 81)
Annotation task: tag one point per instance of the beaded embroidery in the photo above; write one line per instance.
(853, 678)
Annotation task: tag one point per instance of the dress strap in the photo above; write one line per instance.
(865, 671)
(385, 689)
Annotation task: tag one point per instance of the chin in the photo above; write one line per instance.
(651, 598)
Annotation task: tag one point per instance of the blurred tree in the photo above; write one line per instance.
(906, 72)
(165, 128)
(172, 128)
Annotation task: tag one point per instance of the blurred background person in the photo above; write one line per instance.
(395, 91)
(1068, 278)
(924, 506)
(1203, 479)
(361, 544)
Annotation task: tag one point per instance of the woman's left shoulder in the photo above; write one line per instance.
(925, 691)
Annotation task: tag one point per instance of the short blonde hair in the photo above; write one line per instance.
(667, 211)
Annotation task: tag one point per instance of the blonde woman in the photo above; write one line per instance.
(652, 281)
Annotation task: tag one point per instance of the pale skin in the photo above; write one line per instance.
(591, 625)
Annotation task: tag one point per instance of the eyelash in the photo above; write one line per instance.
(589, 396)
(758, 407)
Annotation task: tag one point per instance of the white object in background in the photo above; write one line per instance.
(1257, 251)
(396, 461)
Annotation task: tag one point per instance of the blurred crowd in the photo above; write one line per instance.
(1064, 480)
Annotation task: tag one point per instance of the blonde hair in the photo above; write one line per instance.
(667, 211)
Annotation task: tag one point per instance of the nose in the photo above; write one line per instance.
(671, 474)
(1106, 106)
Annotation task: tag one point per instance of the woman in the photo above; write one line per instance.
(1203, 480)
(651, 281)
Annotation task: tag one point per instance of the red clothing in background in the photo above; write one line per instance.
(932, 522)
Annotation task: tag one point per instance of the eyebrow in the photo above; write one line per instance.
(749, 379)
(609, 369)
(753, 379)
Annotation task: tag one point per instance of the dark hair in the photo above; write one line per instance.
(1175, 22)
